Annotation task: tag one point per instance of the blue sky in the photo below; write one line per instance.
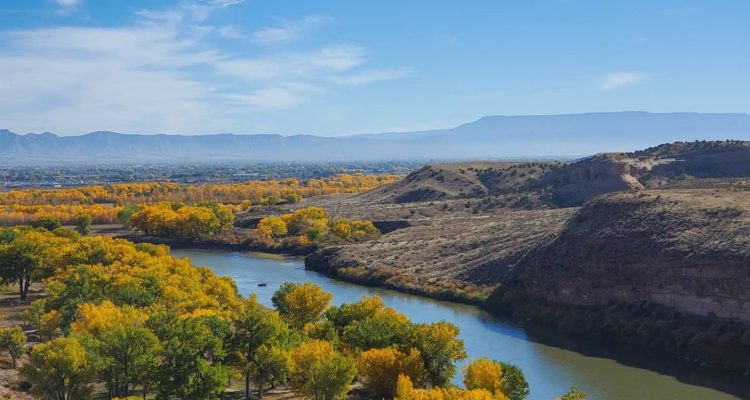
(340, 66)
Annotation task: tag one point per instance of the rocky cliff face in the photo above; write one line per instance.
(686, 249)
(605, 173)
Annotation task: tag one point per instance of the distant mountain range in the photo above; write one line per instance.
(492, 137)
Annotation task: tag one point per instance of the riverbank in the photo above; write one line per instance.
(389, 279)
(551, 362)
(228, 242)
(720, 343)
(699, 340)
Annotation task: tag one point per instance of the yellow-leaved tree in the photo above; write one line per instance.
(317, 371)
(301, 304)
(379, 369)
(59, 369)
(483, 373)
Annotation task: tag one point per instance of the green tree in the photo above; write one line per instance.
(279, 297)
(83, 224)
(338, 374)
(126, 214)
(12, 340)
(268, 366)
(123, 356)
(319, 372)
(379, 331)
(254, 327)
(573, 394)
(345, 314)
(59, 370)
(30, 257)
(48, 223)
(440, 348)
(514, 384)
(193, 352)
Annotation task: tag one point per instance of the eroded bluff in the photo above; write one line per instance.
(687, 249)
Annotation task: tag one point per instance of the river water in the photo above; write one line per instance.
(551, 364)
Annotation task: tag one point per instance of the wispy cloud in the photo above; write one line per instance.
(68, 6)
(617, 80)
(319, 63)
(287, 31)
(370, 76)
(68, 3)
(225, 3)
(163, 73)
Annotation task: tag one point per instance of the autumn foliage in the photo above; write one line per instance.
(313, 224)
(104, 202)
(129, 318)
(178, 221)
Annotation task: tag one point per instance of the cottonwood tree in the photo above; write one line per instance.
(83, 224)
(573, 394)
(379, 369)
(514, 383)
(253, 327)
(440, 348)
(59, 370)
(30, 257)
(301, 304)
(319, 372)
(12, 340)
(483, 373)
(193, 351)
(268, 366)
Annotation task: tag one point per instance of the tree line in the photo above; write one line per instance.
(104, 202)
(311, 225)
(180, 221)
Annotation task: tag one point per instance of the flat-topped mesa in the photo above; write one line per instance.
(686, 249)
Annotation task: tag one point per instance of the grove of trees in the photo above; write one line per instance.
(312, 225)
(179, 221)
(103, 202)
(132, 320)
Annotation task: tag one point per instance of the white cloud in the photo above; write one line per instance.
(618, 80)
(68, 3)
(319, 63)
(225, 3)
(67, 6)
(370, 76)
(286, 31)
(281, 97)
(163, 73)
(230, 32)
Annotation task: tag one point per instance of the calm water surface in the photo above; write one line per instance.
(551, 367)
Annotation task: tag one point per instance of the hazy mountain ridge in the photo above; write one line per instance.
(490, 137)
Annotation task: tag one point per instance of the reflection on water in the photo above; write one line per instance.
(551, 364)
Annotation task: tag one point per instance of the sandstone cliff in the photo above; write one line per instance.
(686, 249)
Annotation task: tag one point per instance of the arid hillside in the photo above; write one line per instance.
(535, 185)
(461, 180)
(447, 252)
(469, 224)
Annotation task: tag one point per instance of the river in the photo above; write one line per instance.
(551, 364)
